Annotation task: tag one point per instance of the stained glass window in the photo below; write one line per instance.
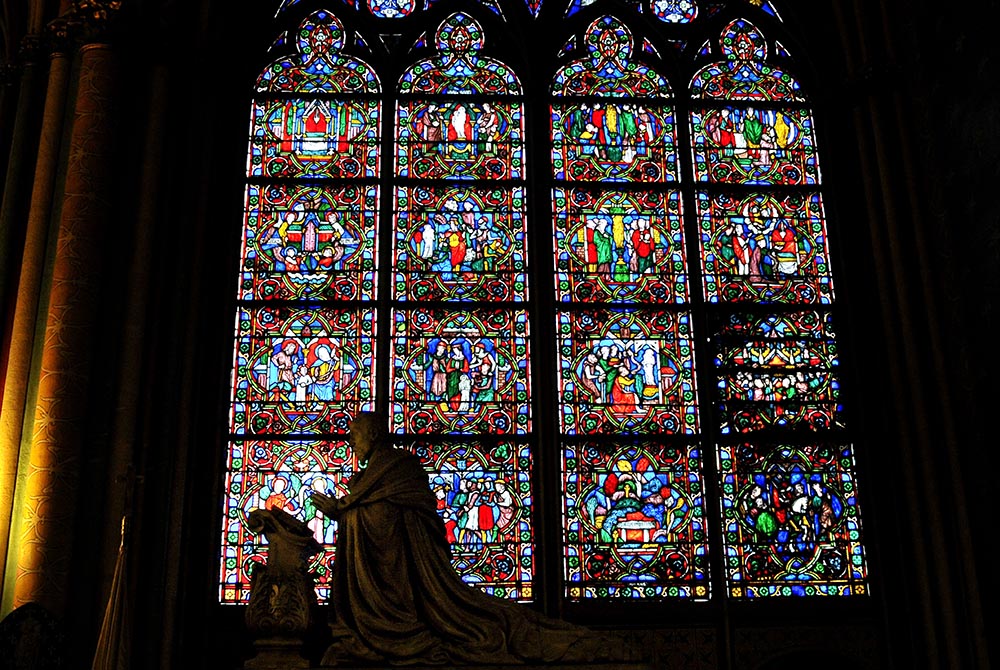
(304, 361)
(687, 335)
(791, 523)
(462, 368)
(633, 517)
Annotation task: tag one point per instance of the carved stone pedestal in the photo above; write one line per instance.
(282, 593)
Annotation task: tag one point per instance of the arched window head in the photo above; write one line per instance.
(458, 68)
(319, 66)
(744, 75)
(608, 70)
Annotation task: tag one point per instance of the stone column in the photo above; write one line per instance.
(45, 518)
(20, 164)
(17, 381)
(944, 621)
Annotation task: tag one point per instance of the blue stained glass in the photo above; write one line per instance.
(674, 11)
(391, 9)
(607, 70)
(458, 68)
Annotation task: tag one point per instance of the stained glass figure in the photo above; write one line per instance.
(791, 519)
(458, 68)
(764, 247)
(777, 371)
(734, 145)
(634, 522)
(608, 141)
(460, 372)
(626, 371)
(457, 139)
(744, 75)
(309, 242)
(484, 497)
(617, 246)
(280, 474)
(391, 9)
(674, 11)
(319, 67)
(460, 243)
(607, 71)
(302, 371)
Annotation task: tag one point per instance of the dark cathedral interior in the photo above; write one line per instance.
(123, 140)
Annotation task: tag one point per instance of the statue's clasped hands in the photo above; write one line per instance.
(329, 505)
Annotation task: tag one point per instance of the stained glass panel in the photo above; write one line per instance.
(460, 372)
(302, 370)
(766, 247)
(607, 71)
(743, 75)
(626, 371)
(742, 41)
(674, 11)
(484, 497)
(315, 138)
(318, 67)
(613, 142)
(619, 246)
(778, 371)
(458, 68)
(634, 522)
(282, 474)
(391, 9)
(460, 140)
(460, 243)
(791, 520)
(754, 146)
(745, 80)
(309, 242)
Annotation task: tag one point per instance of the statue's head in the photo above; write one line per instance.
(367, 434)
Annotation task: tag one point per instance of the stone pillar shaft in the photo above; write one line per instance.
(58, 433)
(19, 369)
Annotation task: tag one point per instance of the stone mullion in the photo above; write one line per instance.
(26, 302)
(48, 514)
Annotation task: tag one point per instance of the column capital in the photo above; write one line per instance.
(59, 35)
(92, 21)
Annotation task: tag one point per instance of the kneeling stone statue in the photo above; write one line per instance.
(396, 597)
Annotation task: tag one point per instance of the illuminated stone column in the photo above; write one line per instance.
(17, 381)
(47, 502)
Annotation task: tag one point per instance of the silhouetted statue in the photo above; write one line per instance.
(397, 598)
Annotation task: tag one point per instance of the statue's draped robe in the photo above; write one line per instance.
(396, 592)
